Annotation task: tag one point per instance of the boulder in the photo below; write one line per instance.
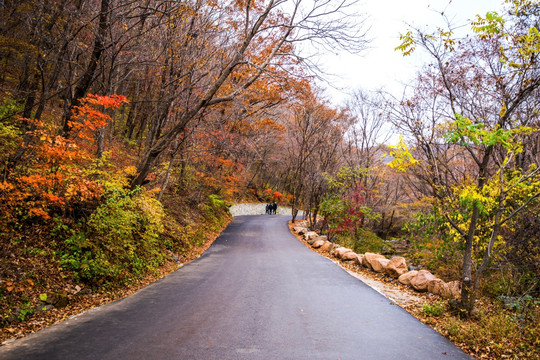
(349, 256)
(379, 264)
(359, 258)
(317, 244)
(334, 248)
(310, 241)
(396, 267)
(436, 286)
(327, 246)
(451, 290)
(320, 237)
(405, 279)
(369, 257)
(300, 230)
(421, 280)
(310, 234)
(339, 252)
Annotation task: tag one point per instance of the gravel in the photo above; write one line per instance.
(259, 209)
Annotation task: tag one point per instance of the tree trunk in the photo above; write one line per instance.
(88, 76)
(166, 180)
(466, 290)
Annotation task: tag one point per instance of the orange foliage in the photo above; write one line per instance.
(89, 118)
(55, 176)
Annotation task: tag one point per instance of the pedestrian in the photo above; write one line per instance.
(274, 208)
(268, 207)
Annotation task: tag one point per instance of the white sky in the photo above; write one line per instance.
(383, 67)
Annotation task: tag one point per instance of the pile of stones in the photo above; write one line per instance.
(395, 267)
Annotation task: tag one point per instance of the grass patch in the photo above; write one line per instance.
(366, 241)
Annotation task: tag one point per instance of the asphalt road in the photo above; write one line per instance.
(257, 293)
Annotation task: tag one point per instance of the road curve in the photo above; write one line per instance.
(256, 293)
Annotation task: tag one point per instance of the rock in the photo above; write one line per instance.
(310, 234)
(300, 230)
(317, 244)
(405, 279)
(379, 264)
(59, 299)
(349, 256)
(333, 248)
(451, 290)
(44, 307)
(326, 246)
(435, 286)
(310, 241)
(317, 238)
(369, 257)
(339, 252)
(396, 267)
(421, 280)
(359, 258)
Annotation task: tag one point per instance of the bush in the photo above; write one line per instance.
(366, 241)
(10, 133)
(120, 240)
(436, 309)
(213, 210)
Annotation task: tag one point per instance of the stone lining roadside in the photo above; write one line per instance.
(395, 267)
(400, 294)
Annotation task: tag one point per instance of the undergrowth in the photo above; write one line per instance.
(365, 241)
(495, 331)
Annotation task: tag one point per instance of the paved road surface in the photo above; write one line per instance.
(257, 293)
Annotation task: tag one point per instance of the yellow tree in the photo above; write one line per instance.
(473, 104)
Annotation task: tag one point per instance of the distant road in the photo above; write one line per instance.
(257, 293)
(260, 209)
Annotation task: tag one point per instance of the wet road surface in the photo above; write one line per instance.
(257, 293)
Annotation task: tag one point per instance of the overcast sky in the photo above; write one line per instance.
(381, 66)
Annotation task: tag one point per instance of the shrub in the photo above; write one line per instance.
(436, 309)
(120, 240)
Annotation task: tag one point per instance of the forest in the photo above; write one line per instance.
(127, 128)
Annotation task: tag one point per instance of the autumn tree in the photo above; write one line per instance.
(255, 38)
(312, 147)
(365, 149)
